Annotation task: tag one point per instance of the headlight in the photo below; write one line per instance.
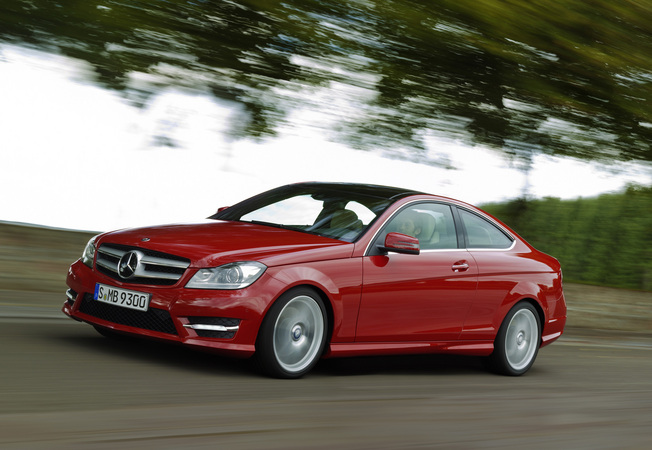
(89, 253)
(229, 276)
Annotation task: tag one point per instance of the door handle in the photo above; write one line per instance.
(460, 266)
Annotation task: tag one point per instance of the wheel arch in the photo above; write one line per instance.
(338, 284)
(523, 292)
(325, 298)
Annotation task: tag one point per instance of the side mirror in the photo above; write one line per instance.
(219, 210)
(400, 243)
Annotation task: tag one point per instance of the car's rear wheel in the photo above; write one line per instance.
(293, 334)
(518, 341)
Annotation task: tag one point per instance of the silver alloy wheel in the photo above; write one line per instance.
(521, 339)
(298, 334)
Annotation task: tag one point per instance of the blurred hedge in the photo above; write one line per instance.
(605, 240)
(34, 258)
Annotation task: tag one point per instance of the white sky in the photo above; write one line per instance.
(73, 155)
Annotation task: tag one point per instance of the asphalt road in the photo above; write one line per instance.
(63, 386)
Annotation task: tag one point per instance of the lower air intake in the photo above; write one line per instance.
(152, 319)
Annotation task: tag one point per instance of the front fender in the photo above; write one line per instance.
(341, 283)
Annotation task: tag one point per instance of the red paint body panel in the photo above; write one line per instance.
(213, 243)
(415, 297)
(447, 300)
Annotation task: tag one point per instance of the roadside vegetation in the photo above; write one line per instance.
(604, 241)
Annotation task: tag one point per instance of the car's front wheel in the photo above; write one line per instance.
(518, 341)
(293, 334)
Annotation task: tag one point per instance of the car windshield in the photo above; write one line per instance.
(336, 211)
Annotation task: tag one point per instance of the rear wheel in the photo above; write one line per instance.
(293, 334)
(518, 341)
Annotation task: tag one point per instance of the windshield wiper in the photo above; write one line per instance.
(291, 228)
(273, 224)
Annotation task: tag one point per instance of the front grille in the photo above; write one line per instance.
(154, 268)
(153, 319)
(223, 321)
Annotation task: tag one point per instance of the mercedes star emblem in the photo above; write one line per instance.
(128, 264)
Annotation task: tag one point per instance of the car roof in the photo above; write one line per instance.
(372, 190)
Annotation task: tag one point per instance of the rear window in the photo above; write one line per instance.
(480, 233)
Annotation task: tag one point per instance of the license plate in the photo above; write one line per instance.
(122, 297)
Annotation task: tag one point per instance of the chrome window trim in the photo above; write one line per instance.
(470, 249)
(368, 248)
(480, 214)
(440, 250)
(486, 218)
(497, 249)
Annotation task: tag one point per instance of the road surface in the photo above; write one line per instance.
(66, 387)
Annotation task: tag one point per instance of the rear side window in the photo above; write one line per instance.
(481, 233)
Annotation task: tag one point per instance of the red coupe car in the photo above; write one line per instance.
(316, 270)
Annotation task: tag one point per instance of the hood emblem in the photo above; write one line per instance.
(145, 239)
(128, 264)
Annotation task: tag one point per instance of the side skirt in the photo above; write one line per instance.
(473, 348)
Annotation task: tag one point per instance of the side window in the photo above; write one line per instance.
(482, 233)
(431, 223)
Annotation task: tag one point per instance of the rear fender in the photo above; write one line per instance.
(523, 291)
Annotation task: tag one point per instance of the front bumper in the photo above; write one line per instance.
(224, 322)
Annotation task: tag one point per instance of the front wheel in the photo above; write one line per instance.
(518, 341)
(293, 334)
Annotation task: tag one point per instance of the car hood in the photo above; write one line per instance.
(213, 243)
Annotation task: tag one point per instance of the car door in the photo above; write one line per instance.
(422, 297)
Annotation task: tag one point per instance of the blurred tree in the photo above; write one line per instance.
(565, 77)
(605, 240)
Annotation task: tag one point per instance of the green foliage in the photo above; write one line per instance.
(604, 241)
(569, 77)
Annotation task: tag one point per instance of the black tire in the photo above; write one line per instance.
(293, 334)
(517, 342)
